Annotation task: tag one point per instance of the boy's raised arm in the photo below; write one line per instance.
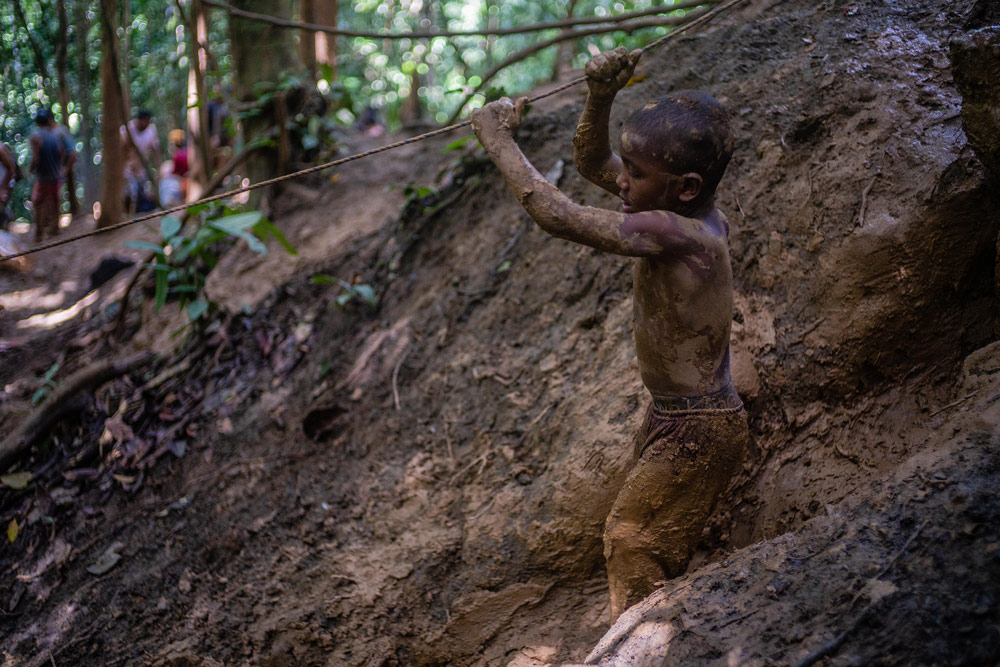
(648, 234)
(607, 73)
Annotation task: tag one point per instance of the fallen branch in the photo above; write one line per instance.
(60, 402)
(954, 403)
(536, 27)
(146, 167)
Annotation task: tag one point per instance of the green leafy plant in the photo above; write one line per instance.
(459, 143)
(182, 262)
(46, 385)
(361, 291)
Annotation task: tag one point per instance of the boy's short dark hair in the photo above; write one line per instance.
(689, 131)
(42, 117)
(144, 114)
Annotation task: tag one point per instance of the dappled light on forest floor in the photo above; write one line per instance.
(44, 321)
(41, 297)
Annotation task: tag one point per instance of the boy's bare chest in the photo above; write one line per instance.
(682, 319)
(685, 290)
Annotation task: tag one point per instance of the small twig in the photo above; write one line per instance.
(850, 457)
(808, 330)
(743, 216)
(906, 545)
(864, 199)
(483, 509)
(954, 403)
(447, 440)
(482, 458)
(541, 414)
(395, 376)
(742, 617)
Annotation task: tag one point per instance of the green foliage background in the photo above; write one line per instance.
(371, 72)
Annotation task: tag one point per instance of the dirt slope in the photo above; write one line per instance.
(425, 482)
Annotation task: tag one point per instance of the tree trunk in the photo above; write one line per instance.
(62, 45)
(564, 52)
(124, 49)
(86, 161)
(40, 63)
(492, 23)
(112, 102)
(260, 52)
(325, 46)
(199, 153)
(307, 38)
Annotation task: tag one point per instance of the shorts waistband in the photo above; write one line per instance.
(725, 398)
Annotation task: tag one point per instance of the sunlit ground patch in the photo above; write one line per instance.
(57, 317)
(38, 297)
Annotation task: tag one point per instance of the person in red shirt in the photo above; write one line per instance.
(180, 154)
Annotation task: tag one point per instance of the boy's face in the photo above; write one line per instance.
(645, 184)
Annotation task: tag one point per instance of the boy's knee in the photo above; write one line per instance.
(622, 537)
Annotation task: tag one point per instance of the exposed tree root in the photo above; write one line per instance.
(61, 401)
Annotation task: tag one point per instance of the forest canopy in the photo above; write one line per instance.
(51, 57)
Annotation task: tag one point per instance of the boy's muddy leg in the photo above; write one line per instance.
(661, 510)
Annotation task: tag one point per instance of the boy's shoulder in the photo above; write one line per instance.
(713, 225)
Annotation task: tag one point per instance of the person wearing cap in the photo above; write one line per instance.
(47, 157)
(180, 154)
(173, 182)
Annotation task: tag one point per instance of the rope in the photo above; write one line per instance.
(703, 18)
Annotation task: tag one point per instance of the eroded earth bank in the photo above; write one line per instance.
(425, 481)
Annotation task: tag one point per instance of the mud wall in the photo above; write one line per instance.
(863, 236)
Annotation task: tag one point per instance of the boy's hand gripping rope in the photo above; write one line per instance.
(701, 19)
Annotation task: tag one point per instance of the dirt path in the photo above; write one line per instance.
(51, 292)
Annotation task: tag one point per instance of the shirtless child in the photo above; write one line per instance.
(674, 151)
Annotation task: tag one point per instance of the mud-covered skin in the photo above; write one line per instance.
(682, 282)
(684, 459)
(607, 73)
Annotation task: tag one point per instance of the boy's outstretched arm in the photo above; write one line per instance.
(607, 73)
(647, 234)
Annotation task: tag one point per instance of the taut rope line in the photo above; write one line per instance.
(702, 18)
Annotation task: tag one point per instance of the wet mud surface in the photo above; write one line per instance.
(426, 481)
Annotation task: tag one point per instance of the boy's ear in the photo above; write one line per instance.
(690, 187)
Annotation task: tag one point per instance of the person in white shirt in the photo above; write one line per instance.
(145, 142)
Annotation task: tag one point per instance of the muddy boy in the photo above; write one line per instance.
(674, 151)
